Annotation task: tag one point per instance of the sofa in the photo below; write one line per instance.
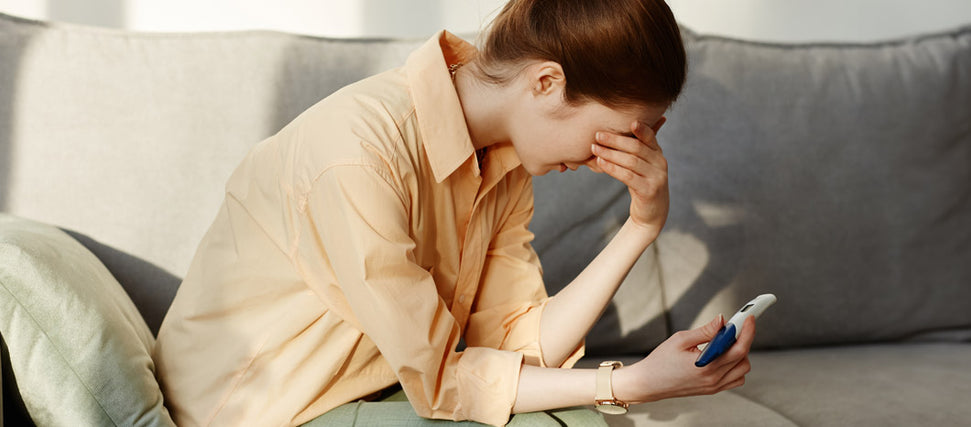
(835, 176)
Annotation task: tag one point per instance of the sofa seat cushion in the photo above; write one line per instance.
(868, 385)
(893, 384)
(78, 349)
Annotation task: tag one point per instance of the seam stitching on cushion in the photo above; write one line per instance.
(665, 310)
(763, 405)
(599, 213)
(954, 32)
(58, 351)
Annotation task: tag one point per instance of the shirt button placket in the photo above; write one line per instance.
(470, 271)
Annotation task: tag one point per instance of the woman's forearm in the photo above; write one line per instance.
(571, 313)
(542, 389)
(669, 371)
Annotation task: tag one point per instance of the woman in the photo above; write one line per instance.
(359, 245)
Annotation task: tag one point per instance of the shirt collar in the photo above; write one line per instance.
(444, 132)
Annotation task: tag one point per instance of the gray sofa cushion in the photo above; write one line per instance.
(838, 210)
(877, 385)
(836, 176)
(575, 215)
(901, 384)
(128, 138)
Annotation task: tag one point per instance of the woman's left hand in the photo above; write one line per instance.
(639, 163)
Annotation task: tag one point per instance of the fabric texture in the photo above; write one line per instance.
(899, 384)
(396, 411)
(571, 231)
(78, 346)
(354, 250)
(835, 176)
(127, 138)
(896, 384)
(12, 409)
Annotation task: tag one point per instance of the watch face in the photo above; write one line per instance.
(612, 409)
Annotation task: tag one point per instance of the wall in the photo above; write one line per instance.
(346, 18)
(821, 20)
(780, 20)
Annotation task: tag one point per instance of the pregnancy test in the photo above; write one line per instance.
(727, 335)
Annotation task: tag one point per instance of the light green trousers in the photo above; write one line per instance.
(396, 411)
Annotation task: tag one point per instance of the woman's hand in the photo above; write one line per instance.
(670, 371)
(639, 163)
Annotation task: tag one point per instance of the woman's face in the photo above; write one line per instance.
(562, 139)
(550, 134)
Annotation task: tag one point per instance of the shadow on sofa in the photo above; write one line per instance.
(9, 70)
(13, 412)
(150, 287)
(700, 253)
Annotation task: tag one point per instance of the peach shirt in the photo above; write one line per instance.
(354, 249)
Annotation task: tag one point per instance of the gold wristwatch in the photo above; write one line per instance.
(604, 400)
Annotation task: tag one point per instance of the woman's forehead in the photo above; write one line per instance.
(622, 117)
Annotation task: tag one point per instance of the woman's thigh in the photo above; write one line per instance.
(396, 411)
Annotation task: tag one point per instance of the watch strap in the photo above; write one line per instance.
(604, 398)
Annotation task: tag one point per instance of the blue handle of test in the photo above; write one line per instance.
(719, 345)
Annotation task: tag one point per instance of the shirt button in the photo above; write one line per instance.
(461, 299)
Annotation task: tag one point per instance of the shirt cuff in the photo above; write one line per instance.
(488, 381)
(533, 352)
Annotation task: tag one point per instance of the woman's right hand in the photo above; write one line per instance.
(670, 371)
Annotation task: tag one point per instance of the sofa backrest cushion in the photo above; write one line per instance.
(836, 176)
(575, 216)
(127, 139)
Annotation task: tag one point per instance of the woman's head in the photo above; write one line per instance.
(613, 52)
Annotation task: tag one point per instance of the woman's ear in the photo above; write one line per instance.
(547, 78)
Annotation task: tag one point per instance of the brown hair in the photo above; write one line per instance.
(616, 52)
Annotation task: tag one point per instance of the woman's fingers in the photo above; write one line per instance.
(739, 350)
(692, 338)
(636, 151)
(617, 171)
(734, 364)
(660, 122)
(734, 384)
(744, 343)
(734, 376)
(637, 154)
(647, 135)
(669, 370)
(627, 143)
(625, 160)
(636, 160)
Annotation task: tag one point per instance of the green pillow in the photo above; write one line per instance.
(80, 351)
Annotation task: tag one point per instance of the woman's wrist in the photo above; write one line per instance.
(619, 381)
(627, 388)
(645, 233)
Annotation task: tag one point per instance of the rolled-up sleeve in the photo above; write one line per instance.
(512, 295)
(361, 222)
